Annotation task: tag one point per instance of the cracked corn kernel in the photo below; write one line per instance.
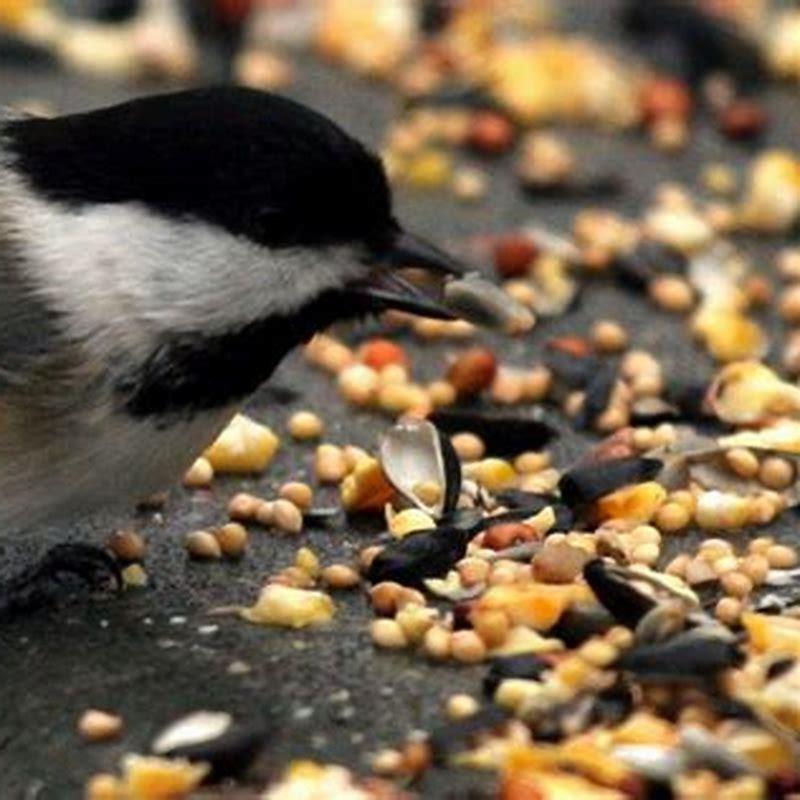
(199, 475)
(306, 559)
(99, 726)
(154, 777)
(244, 446)
(289, 607)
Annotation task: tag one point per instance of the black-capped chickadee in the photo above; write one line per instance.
(157, 261)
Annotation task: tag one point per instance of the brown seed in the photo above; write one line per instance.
(776, 473)
(609, 336)
(780, 556)
(298, 493)
(243, 506)
(473, 371)
(203, 546)
(127, 546)
(305, 425)
(672, 293)
(99, 726)
(232, 539)
(558, 563)
(388, 634)
(498, 537)
(286, 516)
(467, 647)
(340, 576)
(789, 304)
(199, 475)
(490, 133)
(513, 255)
(665, 98)
(742, 119)
(384, 597)
(416, 757)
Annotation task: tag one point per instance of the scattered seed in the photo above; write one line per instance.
(460, 706)
(340, 576)
(467, 647)
(203, 546)
(298, 493)
(232, 539)
(305, 425)
(126, 546)
(99, 726)
(286, 516)
(387, 633)
(780, 556)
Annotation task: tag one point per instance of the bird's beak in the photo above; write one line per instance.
(386, 287)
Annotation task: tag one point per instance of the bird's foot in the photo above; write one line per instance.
(62, 569)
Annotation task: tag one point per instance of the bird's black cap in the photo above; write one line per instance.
(253, 163)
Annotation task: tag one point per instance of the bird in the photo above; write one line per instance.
(158, 259)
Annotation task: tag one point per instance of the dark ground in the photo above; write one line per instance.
(150, 656)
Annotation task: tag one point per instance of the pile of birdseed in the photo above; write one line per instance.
(619, 661)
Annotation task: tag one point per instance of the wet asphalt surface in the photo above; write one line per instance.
(154, 654)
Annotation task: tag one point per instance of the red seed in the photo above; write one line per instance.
(665, 98)
(498, 537)
(513, 255)
(473, 371)
(379, 353)
(571, 345)
(490, 133)
(742, 120)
